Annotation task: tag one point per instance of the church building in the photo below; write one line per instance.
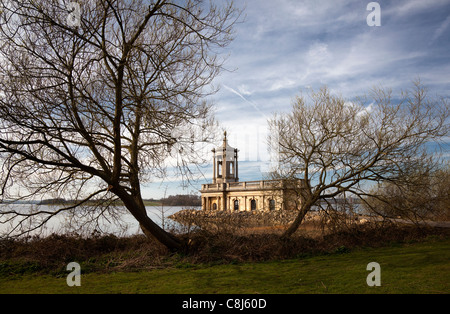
(227, 193)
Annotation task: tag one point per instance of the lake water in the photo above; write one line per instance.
(119, 222)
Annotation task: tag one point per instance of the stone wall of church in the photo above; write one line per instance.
(244, 201)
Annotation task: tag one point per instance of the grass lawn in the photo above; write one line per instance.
(407, 268)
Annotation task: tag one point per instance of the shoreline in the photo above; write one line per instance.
(278, 220)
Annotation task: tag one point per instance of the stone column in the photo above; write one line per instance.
(236, 164)
(214, 165)
(224, 202)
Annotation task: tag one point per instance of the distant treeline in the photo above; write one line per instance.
(182, 200)
(172, 200)
(55, 201)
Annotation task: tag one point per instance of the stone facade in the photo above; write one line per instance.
(226, 193)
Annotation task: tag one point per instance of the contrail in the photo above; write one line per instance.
(245, 99)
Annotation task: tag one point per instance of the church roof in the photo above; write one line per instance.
(225, 148)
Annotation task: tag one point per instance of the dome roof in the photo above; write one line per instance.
(225, 149)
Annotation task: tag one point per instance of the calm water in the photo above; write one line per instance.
(119, 222)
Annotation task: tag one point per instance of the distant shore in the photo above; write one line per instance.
(173, 200)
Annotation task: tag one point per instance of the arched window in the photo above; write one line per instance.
(215, 206)
(253, 205)
(236, 205)
(219, 169)
(272, 205)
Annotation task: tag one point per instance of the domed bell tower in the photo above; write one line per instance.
(225, 161)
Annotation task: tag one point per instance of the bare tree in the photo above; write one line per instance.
(89, 106)
(422, 194)
(338, 146)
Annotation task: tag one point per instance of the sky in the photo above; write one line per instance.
(284, 48)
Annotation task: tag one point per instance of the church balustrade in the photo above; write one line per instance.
(245, 185)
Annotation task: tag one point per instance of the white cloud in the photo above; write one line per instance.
(411, 7)
(282, 83)
(318, 54)
(243, 90)
(253, 104)
(440, 30)
(288, 46)
(319, 12)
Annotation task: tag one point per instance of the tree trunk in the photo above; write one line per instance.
(305, 208)
(148, 226)
(152, 230)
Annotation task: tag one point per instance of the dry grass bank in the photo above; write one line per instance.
(252, 244)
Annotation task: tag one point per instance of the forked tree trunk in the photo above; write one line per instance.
(304, 209)
(148, 226)
(152, 230)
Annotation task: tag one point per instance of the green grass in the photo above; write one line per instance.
(410, 268)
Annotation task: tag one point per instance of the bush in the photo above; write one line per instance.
(420, 195)
(111, 253)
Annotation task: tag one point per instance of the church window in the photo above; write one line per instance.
(253, 205)
(272, 205)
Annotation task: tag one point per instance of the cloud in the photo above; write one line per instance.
(440, 30)
(318, 53)
(253, 104)
(287, 46)
(409, 8)
(243, 90)
(282, 84)
(308, 43)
